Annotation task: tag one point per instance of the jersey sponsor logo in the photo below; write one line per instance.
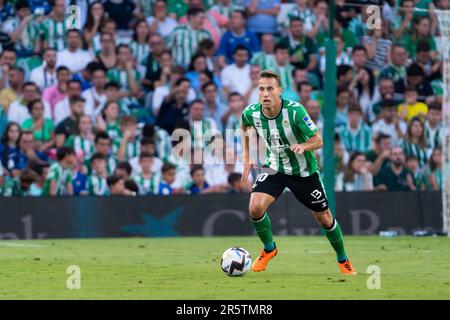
(309, 122)
(316, 194)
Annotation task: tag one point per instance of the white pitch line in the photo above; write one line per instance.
(21, 245)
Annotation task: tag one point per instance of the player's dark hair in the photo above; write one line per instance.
(270, 74)
(63, 152)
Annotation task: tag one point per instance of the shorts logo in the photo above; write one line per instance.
(316, 194)
(309, 122)
(324, 204)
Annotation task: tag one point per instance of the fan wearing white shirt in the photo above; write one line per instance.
(236, 76)
(18, 111)
(389, 123)
(95, 97)
(45, 75)
(62, 108)
(74, 58)
(161, 22)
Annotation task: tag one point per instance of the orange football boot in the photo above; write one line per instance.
(263, 259)
(346, 267)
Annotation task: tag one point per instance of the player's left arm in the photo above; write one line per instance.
(304, 122)
(313, 143)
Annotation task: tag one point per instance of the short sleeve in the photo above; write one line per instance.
(304, 122)
(245, 120)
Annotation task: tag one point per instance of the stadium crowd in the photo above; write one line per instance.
(89, 100)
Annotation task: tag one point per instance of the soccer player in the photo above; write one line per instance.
(291, 138)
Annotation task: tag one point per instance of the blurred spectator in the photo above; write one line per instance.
(16, 77)
(116, 185)
(411, 107)
(85, 75)
(356, 135)
(199, 184)
(185, 38)
(356, 176)
(128, 143)
(415, 142)
(123, 170)
(342, 59)
(385, 92)
(424, 60)
(389, 122)
(196, 68)
(421, 32)
(41, 126)
(174, 108)
(44, 76)
(237, 35)
(9, 149)
(302, 49)
(402, 22)
(57, 92)
(252, 94)
(83, 141)
(18, 110)
(62, 108)
(167, 179)
(365, 92)
(414, 76)
(359, 58)
(158, 65)
(313, 109)
(434, 170)
(304, 90)
(23, 30)
(162, 143)
(235, 183)
(106, 55)
(395, 177)
(434, 126)
(29, 150)
(148, 146)
(97, 179)
(69, 125)
(140, 45)
(74, 57)
(282, 65)
(160, 22)
(396, 70)
(227, 7)
(202, 128)
(265, 57)
(378, 47)
(95, 96)
(108, 120)
(121, 11)
(102, 146)
(214, 107)
(21, 185)
(147, 181)
(262, 15)
(412, 164)
(95, 18)
(236, 76)
(59, 177)
(380, 155)
(8, 59)
(53, 28)
(6, 11)
(342, 103)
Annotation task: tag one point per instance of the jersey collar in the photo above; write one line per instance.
(273, 118)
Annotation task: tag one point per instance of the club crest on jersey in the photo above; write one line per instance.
(285, 123)
(309, 122)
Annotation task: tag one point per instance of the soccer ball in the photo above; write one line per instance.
(236, 262)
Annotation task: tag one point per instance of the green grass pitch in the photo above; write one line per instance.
(188, 268)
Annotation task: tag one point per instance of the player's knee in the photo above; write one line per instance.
(325, 219)
(256, 210)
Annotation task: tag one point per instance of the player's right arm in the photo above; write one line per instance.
(248, 164)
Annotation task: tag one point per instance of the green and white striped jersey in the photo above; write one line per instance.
(140, 52)
(113, 130)
(291, 126)
(53, 32)
(79, 144)
(285, 72)
(184, 42)
(264, 60)
(359, 140)
(417, 151)
(28, 36)
(110, 165)
(163, 143)
(133, 148)
(121, 77)
(97, 186)
(202, 131)
(227, 10)
(434, 136)
(147, 185)
(61, 176)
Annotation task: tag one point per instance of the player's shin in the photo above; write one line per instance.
(334, 235)
(263, 229)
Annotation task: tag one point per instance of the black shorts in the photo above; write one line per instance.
(307, 190)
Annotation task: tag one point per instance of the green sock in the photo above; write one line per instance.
(334, 235)
(264, 231)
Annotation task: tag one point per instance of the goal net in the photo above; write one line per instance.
(444, 28)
